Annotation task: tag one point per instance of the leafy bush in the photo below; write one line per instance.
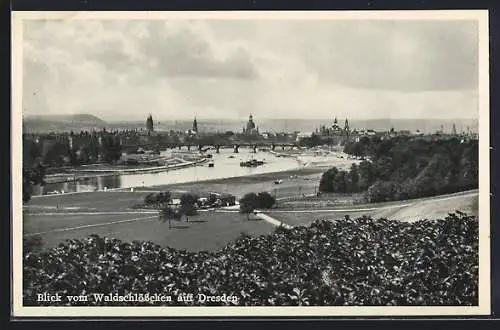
(158, 200)
(265, 200)
(188, 202)
(404, 168)
(31, 177)
(346, 262)
(248, 203)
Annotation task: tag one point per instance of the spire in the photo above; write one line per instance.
(149, 123)
(335, 121)
(346, 126)
(195, 125)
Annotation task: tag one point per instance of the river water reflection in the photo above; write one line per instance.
(226, 165)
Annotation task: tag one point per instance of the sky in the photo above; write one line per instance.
(179, 69)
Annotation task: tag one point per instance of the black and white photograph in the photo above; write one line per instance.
(250, 163)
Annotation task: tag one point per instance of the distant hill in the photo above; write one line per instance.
(59, 123)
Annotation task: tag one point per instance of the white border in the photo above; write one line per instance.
(484, 174)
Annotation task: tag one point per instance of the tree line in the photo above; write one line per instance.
(55, 152)
(405, 168)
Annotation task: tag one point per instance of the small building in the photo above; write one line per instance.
(370, 132)
(418, 133)
(303, 135)
(404, 133)
(191, 132)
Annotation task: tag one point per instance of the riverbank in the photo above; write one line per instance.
(291, 183)
(83, 174)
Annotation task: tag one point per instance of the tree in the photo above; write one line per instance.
(158, 200)
(167, 213)
(409, 167)
(31, 177)
(149, 123)
(248, 203)
(326, 182)
(353, 179)
(31, 151)
(212, 199)
(111, 148)
(340, 182)
(163, 198)
(150, 199)
(188, 207)
(266, 200)
(380, 191)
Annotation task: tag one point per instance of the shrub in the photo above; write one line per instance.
(248, 203)
(345, 262)
(265, 200)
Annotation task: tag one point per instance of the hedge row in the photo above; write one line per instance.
(347, 262)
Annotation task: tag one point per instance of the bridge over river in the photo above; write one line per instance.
(203, 148)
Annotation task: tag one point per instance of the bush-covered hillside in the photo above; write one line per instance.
(349, 262)
(404, 168)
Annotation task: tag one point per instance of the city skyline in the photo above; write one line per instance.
(179, 69)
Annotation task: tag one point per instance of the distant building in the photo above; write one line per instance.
(195, 125)
(454, 129)
(191, 132)
(303, 135)
(149, 123)
(366, 132)
(335, 127)
(251, 128)
(335, 133)
(418, 132)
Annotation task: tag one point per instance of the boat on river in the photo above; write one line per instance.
(251, 163)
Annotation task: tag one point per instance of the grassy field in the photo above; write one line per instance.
(60, 217)
(306, 218)
(206, 231)
(91, 201)
(430, 208)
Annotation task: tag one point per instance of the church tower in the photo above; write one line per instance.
(195, 125)
(250, 125)
(149, 123)
(346, 126)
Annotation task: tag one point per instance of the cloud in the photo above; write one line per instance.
(180, 68)
(168, 52)
(182, 52)
(410, 56)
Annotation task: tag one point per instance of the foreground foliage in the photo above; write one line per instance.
(347, 262)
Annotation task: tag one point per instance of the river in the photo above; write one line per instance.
(226, 165)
